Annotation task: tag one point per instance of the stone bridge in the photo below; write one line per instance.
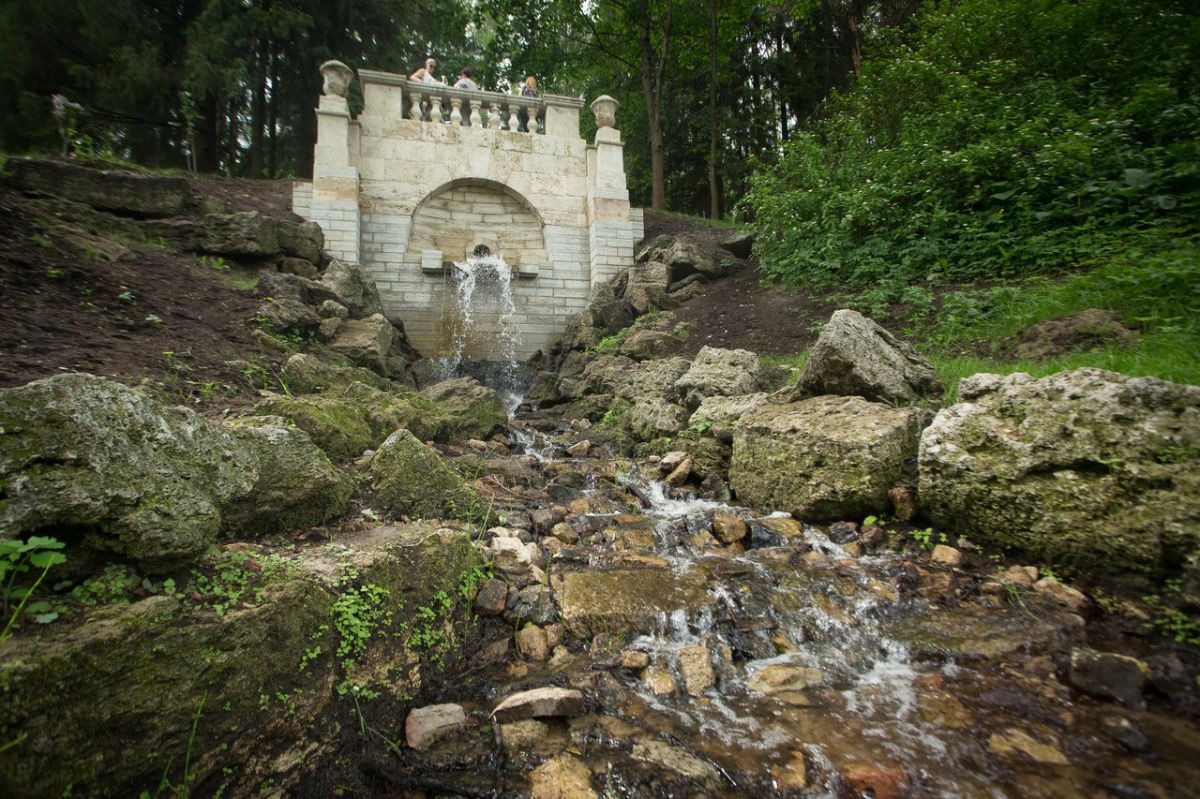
(427, 173)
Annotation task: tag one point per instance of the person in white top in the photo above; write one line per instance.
(426, 73)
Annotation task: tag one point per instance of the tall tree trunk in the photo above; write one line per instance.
(273, 121)
(657, 181)
(234, 150)
(714, 196)
(208, 136)
(258, 115)
(652, 81)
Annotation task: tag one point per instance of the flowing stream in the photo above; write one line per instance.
(795, 661)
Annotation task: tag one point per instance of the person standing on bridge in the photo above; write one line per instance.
(464, 82)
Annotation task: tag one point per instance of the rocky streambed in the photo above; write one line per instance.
(663, 645)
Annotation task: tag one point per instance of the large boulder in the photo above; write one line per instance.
(1085, 467)
(681, 258)
(297, 486)
(854, 356)
(651, 417)
(647, 286)
(115, 471)
(718, 415)
(627, 379)
(824, 457)
(303, 240)
(144, 670)
(307, 374)
(468, 409)
(337, 425)
(248, 234)
(719, 372)
(354, 287)
(119, 191)
(284, 286)
(287, 316)
(366, 342)
(408, 478)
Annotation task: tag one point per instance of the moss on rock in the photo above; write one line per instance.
(409, 478)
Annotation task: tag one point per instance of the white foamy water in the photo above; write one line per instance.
(483, 281)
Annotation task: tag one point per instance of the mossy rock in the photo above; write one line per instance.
(407, 477)
(337, 425)
(823, 458)
(468, 409)
(1086, 469)
(307, 374)
(104, 706)
(297, 486)
(112, 470)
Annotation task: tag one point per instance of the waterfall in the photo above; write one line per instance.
(483, 283)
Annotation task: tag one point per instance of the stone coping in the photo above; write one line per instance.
(394, 79)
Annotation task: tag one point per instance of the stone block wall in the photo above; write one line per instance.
(400, 195)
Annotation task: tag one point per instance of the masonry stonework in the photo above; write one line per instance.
(426, 173)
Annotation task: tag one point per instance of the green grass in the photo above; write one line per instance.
(721, 224)
(795, 362)
(1154, 285)
(1171, 357)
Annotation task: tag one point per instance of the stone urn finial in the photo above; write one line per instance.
(605, 109)
(337, 78)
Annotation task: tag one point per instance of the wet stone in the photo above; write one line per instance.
(1109, 675)
(1060, 593)
(659, 681)
(673, 758)
(695, 664)
(904, 500)
(775, 532)
(841, 532)
(877, 782)
(728, 527)
(634, 660)
(579, 449)
(783, 677)
(534, 604)
(532, 644)
(1024, 576)
(680, 473)
(426, 725)
(945, 555)
(539, 703)
(562, 777)
(491, 598)
(792, 775)
(565, 533)
(1018, 742)
(1123, 731)
(531, 736)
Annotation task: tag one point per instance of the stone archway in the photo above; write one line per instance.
(463, 214)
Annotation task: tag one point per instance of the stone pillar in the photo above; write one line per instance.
(335, 176)
(613, 228)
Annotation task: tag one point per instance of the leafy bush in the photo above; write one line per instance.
(994, 138)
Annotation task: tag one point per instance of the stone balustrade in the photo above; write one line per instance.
(437, 102)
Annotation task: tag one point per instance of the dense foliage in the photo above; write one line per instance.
(994, 138)
(228, 86)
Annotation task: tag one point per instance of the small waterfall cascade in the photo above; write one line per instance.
(484, 284)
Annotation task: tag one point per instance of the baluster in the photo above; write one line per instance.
(494, 119)
(541, 124)
(455, 111)
(414, 112)
(476, 113)
(513, 122)
(435, 108)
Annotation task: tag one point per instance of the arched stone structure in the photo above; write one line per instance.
(427, 173)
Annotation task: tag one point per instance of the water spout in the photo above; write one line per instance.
(481, 281)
